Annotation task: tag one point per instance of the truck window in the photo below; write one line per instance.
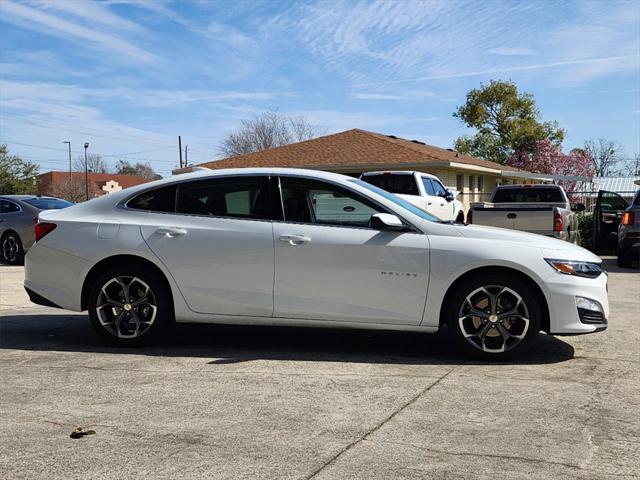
(402, 184)
(526, 195)
(428, 186)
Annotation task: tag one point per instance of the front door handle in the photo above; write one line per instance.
(171, 232)
(294, 239)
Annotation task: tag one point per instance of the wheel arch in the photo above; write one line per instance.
(482, 271)
(118, 260)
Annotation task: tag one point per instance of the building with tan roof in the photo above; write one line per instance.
(356, 151)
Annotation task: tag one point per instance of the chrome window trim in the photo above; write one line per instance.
(122, 204)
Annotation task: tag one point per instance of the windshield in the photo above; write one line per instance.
(47, 203)
(399, 183)
(397, 200)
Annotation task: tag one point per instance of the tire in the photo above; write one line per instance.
(625, 258)
(11, 249)
(460, 218)
(118, 311)
(487, 336)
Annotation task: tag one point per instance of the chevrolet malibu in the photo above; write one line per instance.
(305, 248)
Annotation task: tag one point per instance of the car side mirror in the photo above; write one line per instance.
(578, 207)
(449, 196)
(387, 222)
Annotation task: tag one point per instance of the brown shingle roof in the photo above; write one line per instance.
(351, 148)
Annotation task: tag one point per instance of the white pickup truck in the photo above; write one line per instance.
(421, 189)
(541, 209)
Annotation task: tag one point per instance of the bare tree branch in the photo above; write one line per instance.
(605, 154)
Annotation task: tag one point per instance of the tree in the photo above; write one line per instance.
(548, 158)
(71, 189)
(95, 163)
(632, 166)
(605, 154)
(506, 122)
(267, 130)
(17, 176)
(144, 170)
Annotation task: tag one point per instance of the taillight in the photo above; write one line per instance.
(627, 218)
(41, 229)
(470, 216)
(558, 224)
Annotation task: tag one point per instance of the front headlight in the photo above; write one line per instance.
(579, 269)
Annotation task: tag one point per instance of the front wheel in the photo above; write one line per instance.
(494, 317)
(129, 306)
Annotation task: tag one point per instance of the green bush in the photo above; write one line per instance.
(585, 227)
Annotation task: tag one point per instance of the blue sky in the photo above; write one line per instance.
(129, 76)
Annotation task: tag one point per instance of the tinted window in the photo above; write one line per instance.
(428, 186)
(157, 200)
(401, 202)
(8, 207)
(47, 203)
(241, 197)
(439, 190)
(612, 201)
(399, 183)
(525, 195)
(311, 201)
(636, 199)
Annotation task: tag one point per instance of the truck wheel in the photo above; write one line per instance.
(625, 258)
(494, 317)
(460, 218)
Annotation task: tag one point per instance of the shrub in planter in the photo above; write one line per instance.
(585, 227)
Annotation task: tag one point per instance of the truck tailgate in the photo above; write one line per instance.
(535, 219)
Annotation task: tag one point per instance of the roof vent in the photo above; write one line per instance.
(418, 142)
(451, 149)
(392, 136)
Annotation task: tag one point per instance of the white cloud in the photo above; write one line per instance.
(512, 51)
(47, 24)
(409, 95)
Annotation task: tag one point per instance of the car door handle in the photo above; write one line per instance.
(512, 215)
(171, 232)
(294, 239)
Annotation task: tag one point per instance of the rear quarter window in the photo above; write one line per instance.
(157, 200)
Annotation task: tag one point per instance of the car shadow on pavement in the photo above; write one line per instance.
(234, 344)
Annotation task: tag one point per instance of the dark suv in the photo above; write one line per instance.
(629, 233)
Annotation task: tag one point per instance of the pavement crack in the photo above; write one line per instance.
(487, 455)
(377, 427)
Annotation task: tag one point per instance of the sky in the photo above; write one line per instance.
(129, 76)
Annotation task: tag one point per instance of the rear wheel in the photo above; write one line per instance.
(129, 306)
(12, 251)
(494, 317)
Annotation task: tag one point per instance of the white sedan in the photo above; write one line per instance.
(265, 246)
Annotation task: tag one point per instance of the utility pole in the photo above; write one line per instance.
(69, 143)
(186, 155)
(180, 149)
(86, 171)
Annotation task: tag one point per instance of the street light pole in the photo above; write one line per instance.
(69, 143)
(86, 171)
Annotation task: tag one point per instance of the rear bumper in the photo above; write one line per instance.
(39, 299)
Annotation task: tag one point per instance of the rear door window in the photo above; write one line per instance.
(235, 197)
(8, 207)
(404, 184)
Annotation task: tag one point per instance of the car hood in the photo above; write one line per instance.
(550, 247)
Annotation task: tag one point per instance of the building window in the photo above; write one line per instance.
(459, 184)
(470, 183)
(480, 183)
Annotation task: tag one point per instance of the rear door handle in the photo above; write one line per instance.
(294, 239)
(512, 215)
(171, 232)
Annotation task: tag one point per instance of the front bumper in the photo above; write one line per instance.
(564, 318)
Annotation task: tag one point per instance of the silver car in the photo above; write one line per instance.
(18, 215)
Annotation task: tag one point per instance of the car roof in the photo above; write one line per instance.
(399, 172)
(534, 185)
